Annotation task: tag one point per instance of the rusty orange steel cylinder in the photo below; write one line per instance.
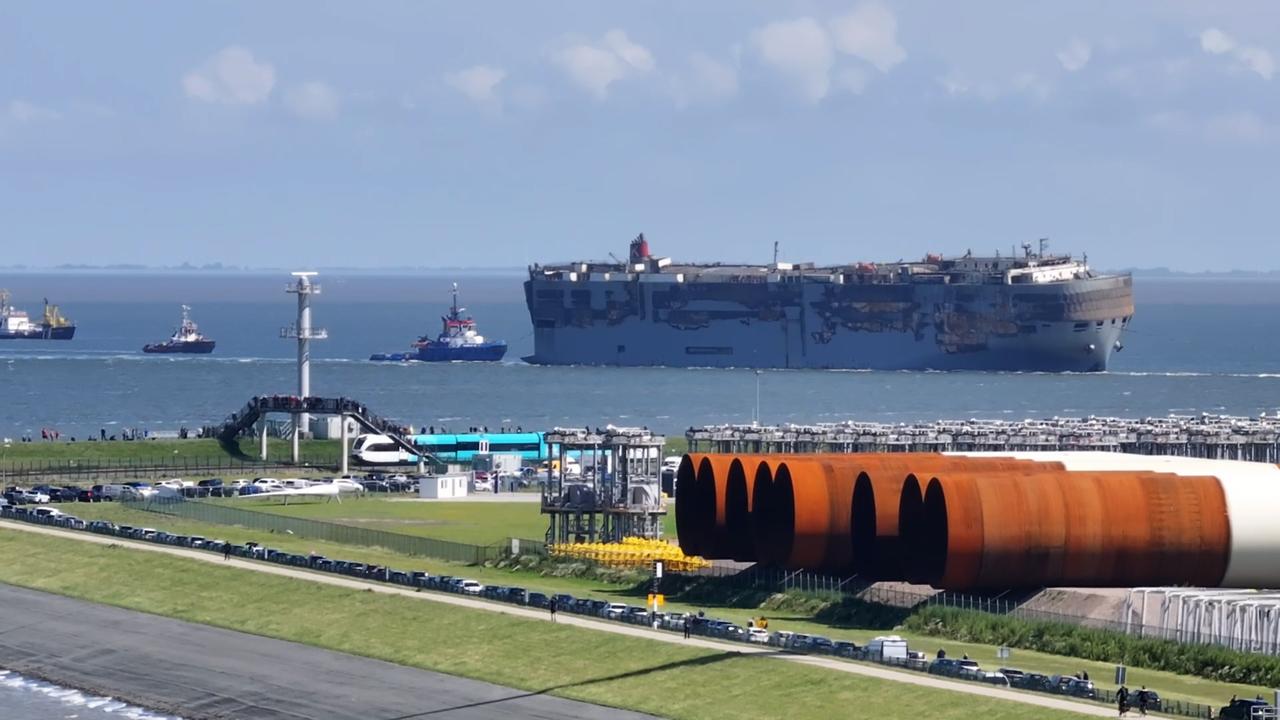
(1059, 528)
(810, 514)
(737, 507)
(761, 501)
(713, 474)
(875, 534)
(688, 531)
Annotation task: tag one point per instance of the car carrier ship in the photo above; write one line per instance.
(1029, 312)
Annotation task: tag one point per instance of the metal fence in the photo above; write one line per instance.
(84, 471)
(336, 532)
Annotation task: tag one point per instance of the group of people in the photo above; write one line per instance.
(1124, 700)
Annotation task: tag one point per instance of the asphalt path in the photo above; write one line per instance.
(854, 668)
(199, 671)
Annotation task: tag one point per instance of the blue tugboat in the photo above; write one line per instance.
(458, 341)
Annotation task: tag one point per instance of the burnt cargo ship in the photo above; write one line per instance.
(1028, 312)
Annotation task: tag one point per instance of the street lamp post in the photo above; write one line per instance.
(756, 420)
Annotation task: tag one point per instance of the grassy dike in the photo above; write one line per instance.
(790, 613)
(659, 678)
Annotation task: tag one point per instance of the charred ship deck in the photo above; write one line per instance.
(1034, 312)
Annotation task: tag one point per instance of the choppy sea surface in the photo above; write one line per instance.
(23, 698)
(1195, 346)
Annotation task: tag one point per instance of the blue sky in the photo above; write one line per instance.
(495, 134)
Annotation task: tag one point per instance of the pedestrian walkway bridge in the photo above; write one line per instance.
(259, 406)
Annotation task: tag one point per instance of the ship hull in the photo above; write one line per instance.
(1060, 327)
(486, 352)
(66, 332)
(199, 347)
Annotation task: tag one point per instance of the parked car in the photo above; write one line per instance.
(1075, 687)
(537, 599)
(820, 644)
(1243, 710)
(614, 611)
(733, 632)
(1016, 677)
(471, 587)
(759, 636)
(517, 595)
(88, 496)
(994, 678)
(846, 649)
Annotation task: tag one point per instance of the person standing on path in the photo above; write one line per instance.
(226, 551)
(1122, 700)
(552, 607)
(687, 625)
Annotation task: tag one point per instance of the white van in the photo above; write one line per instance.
(887, 648)
(116, 491)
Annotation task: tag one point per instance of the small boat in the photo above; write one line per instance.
(457, 341)
(186, 339)
(15, 325)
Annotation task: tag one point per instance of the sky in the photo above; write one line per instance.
(402, 134)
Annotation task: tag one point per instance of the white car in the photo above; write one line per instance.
(238, 483)
(613, 611)
(35, 496)
(758, 635)
(48, 512)
(471, 587)
(347, 484)
(269, 484)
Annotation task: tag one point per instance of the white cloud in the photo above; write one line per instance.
(852, 79)
(312, 100)
(1075, 55)
(22, 112)
(231, 76)
(1216, 42)
(479, 83)
(870, 32)
(635, 55)
(801, 50)
(596, 67)
(707, 80)
(954, 83)
(1256, 59)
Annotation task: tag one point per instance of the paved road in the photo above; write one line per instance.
(204, 672)
(864, 669)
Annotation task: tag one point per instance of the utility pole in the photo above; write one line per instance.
(756, 419)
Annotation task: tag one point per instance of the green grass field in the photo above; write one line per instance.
(1168, 684)
(660, 678)
(142, 451)
(477, 523)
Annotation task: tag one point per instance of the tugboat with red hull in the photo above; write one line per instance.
(186, 339)
(458, 341)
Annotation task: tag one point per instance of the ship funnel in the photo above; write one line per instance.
(639, 249)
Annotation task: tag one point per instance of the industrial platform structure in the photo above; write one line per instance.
(603, 485)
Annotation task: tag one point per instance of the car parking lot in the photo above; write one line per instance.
(887, 650)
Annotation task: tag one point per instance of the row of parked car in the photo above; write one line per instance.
(208, 487)
(887, 650)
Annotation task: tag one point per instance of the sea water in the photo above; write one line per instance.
(1194, 346)
(23, 698)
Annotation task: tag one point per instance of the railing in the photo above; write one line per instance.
(335, 532)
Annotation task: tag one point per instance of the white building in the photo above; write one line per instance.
(440, 487)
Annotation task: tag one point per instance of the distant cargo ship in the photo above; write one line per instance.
(186, 339)
(15, 325)
(1033, 312)
(457, 341)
